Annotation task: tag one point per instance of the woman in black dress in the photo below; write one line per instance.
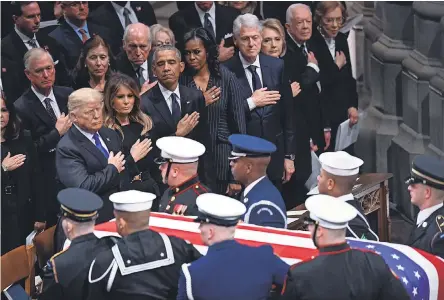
(94, 66)
(22, 196)
(123, 114)
(224, 103)
(339, 97)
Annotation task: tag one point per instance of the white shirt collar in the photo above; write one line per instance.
(347, 197)
(299, 45)
(119, 9)
(251, 185)
(246, 64)
(88, 135)
(43, 97)
(144, 66)
(167, 93)
(211, 11)
(24, 37)
(424, 214)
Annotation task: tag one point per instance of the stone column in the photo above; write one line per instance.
(419, 67)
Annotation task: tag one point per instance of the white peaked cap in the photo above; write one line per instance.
(329, 211)
(132, 201)
(340, 163)
(180, 149)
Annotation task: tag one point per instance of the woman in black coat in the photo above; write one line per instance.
(22, 196)
(224, 104)
(339, 98)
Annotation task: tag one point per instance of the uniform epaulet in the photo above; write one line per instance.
(54, 270)
(440, 223)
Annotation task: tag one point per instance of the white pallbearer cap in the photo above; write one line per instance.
(132, 201)
(340, 163)
(180, 149)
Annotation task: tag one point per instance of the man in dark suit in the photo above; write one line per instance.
(267, 96)
(117, 15)
(75, 30)
(303, 68)
(175, 109)
(89, 156)
(133, 60)
(426, 187)
(217, 19)
(25, 36)
(42, 110)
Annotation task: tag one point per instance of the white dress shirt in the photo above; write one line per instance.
(245, 65)
(26, 39)
(331, 44)
(167, 95)
(89, 136)
(54, 105)
(145, 69)
(119, 10)
(212, 18)
(252, 185)
(424, 214)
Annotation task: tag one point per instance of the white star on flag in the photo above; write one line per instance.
(395, 256)
(370, 247)
(405, 280)
(417, 274)
(400, 267)
(415, 291)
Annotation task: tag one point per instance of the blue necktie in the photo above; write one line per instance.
(175, 109)
(99, 145)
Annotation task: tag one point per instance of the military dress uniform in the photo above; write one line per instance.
(339, 272)
(142, 265)
(428, 232)
(264, 202)
(340, 163)
(65, 274)
(180, 199)
(229, 270)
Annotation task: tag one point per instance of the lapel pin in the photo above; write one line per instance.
(424, 225)
(108, 139)
(138, 8)
(188, 102)
(245, 200)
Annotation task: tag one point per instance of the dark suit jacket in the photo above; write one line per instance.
(272, 122)
(225, 117)
(184, 20)
(13, 49)
(106, 16)
(338, 86)
(80, 164)
(36, 119)
(70, 44)
(307, 110)
(123, 65)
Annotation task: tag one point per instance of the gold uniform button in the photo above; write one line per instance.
(167, 208)
(197, 186)
(177, 190)
(173, 198)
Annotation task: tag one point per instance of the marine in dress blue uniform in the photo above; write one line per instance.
(229, 270)
(427, 178)
(250, 157)
(180, 155)
(66, 272)
(338, 271)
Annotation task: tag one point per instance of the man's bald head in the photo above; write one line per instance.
(135, 30)
(137, 43)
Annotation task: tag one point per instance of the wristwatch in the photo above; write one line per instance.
(290, 157)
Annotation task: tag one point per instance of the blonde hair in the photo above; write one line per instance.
(136, 115)
(275, 24)
(156, 28)
(83, 96)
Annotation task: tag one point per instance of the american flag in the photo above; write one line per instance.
(422, 274)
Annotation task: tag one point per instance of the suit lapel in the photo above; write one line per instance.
(89, 146)
(38, 109)
(161, 106)
(240, 73)
(19, 46)
(61, 101)
(70, 37)
(108, 141)
(184, 104)
(416, 234)
(194, 17)
(219, 23)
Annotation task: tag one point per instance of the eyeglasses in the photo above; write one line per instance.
(331, 21)
(77, 4)
(160, 44)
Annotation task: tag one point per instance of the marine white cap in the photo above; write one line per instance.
(132, 201)
(180, 149)
(340, 163)
(219, 210)
(329, 211)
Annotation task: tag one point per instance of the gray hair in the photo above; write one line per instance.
(289, 14)
(247, 20)
(34, 54)
(166, 48)
(81, 97)
(156, 28)
(134, 27)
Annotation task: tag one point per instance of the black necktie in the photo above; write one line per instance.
(257, 84)
(304, 51)
(126, 14)
(49, 109)
(32, 43)
(140, 76)
(207, 24)
(175, 109)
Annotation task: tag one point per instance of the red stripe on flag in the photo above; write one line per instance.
(439, 266)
